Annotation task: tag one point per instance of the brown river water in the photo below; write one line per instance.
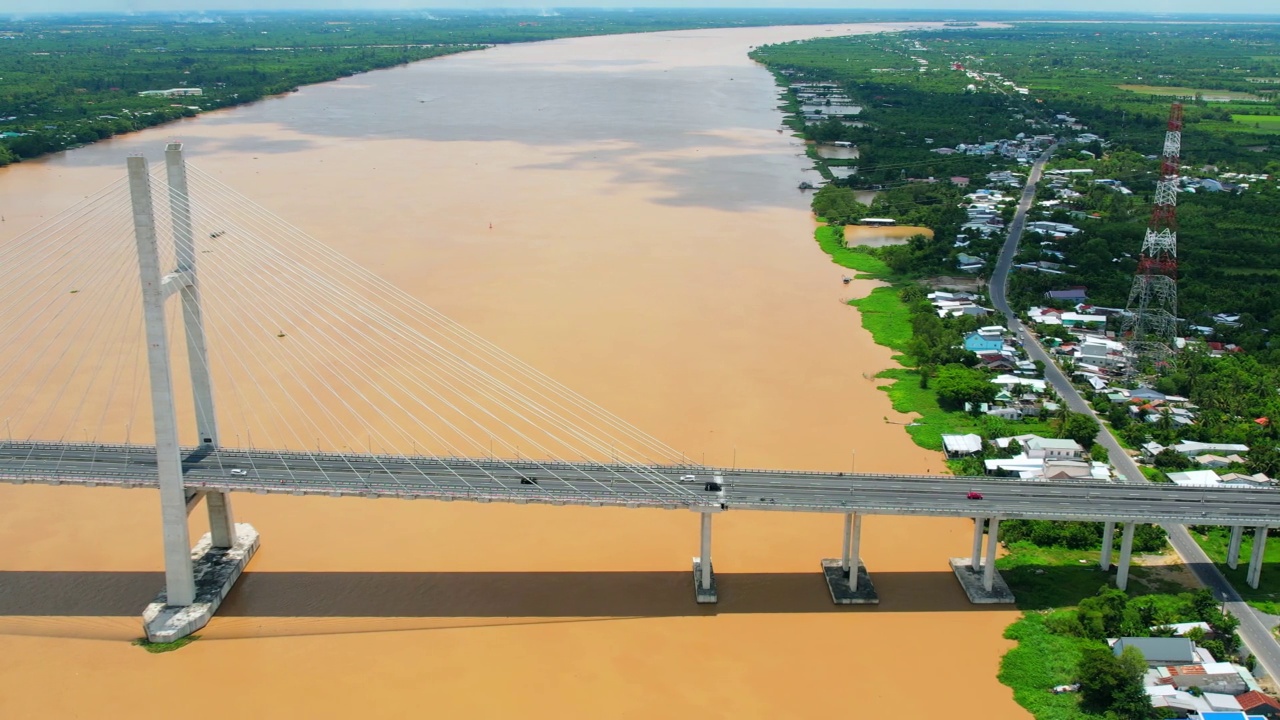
(649, 249)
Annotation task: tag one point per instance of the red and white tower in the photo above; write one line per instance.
(1151, 322)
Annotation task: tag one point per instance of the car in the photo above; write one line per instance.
(688, 478)
(238, 471)
(528, 481)
(974, 495)
(712, 487)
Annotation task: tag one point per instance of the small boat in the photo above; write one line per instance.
(846, 279)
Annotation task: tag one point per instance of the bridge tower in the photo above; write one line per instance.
(195, 580)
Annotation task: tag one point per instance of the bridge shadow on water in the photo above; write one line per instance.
(477, 594)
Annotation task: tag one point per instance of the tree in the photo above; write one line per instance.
(1263, 459)
(1170, 459)
(1111, 683)
(957, 385)
(1077, 426)
(1098, 453)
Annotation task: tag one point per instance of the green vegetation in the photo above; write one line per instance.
(1214, 541)
(164, 647)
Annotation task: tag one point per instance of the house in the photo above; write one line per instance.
(1191, 448)
(1181, 629)
(1159, 651)
(1259, 480)
(1218, 677)
(1183, 703)
(1195, 478)
(1067, 470)
(961, 445)
(1151, 449)
(1011, 381)
(978, 343)
(1218, 461)
(1071, 319)
(1075, 293)
(997, 362)
(1053, 448)
(969, 263)
(1255, 703)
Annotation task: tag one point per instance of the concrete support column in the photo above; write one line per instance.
(855, 541)
(975, 557)
(1255, 558)
(180, 586)
(704, 578)
(989, 563)
(1108, 539)
(844, 546)
(1233, 547)
(222, 522)
(1126, 554)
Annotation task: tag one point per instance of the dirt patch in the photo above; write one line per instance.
(1167, 569)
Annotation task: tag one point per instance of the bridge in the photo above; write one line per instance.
(311, 351)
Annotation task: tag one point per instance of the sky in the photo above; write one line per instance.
(1143, 6)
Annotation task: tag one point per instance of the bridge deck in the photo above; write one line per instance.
(596, 484)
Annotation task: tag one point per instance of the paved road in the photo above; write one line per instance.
(1255, 633)
(595, 484)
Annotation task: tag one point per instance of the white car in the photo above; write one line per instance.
(238, 471)
(688, 478)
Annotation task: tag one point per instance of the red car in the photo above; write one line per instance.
(974, 495)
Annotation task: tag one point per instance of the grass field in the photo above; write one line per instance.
(1207, 94)
(1267, 597)
(1260, 123)
(832, 243)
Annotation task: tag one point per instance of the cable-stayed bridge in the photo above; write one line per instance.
(332, 382)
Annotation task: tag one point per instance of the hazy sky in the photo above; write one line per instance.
(1145, 6)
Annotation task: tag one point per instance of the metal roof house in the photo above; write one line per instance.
(1159, 651)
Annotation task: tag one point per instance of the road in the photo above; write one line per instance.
(596, 484)
(1255, 633)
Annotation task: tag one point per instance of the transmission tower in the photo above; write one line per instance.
(1151, 320)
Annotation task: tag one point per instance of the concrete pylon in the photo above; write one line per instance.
(220, 556)
(179, 577)
(1233, 547)
(1126, 554)
(704, 579)
(989, 562)
(1108, 539)
(221, 519)
(1256, 557)
(975, 557)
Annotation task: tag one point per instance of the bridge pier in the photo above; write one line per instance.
(847, 578)
(1233, 547)
(1126, 554)
(1254, 576)
(704, 580)
(977, 575)
(1108, 539)
(975, 557)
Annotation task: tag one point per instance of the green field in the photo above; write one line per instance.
(1262, 123)
(1207, 94)
(1267, 597)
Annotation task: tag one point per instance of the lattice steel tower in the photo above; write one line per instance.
(1151, 322)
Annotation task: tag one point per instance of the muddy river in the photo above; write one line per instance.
(648, 248)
